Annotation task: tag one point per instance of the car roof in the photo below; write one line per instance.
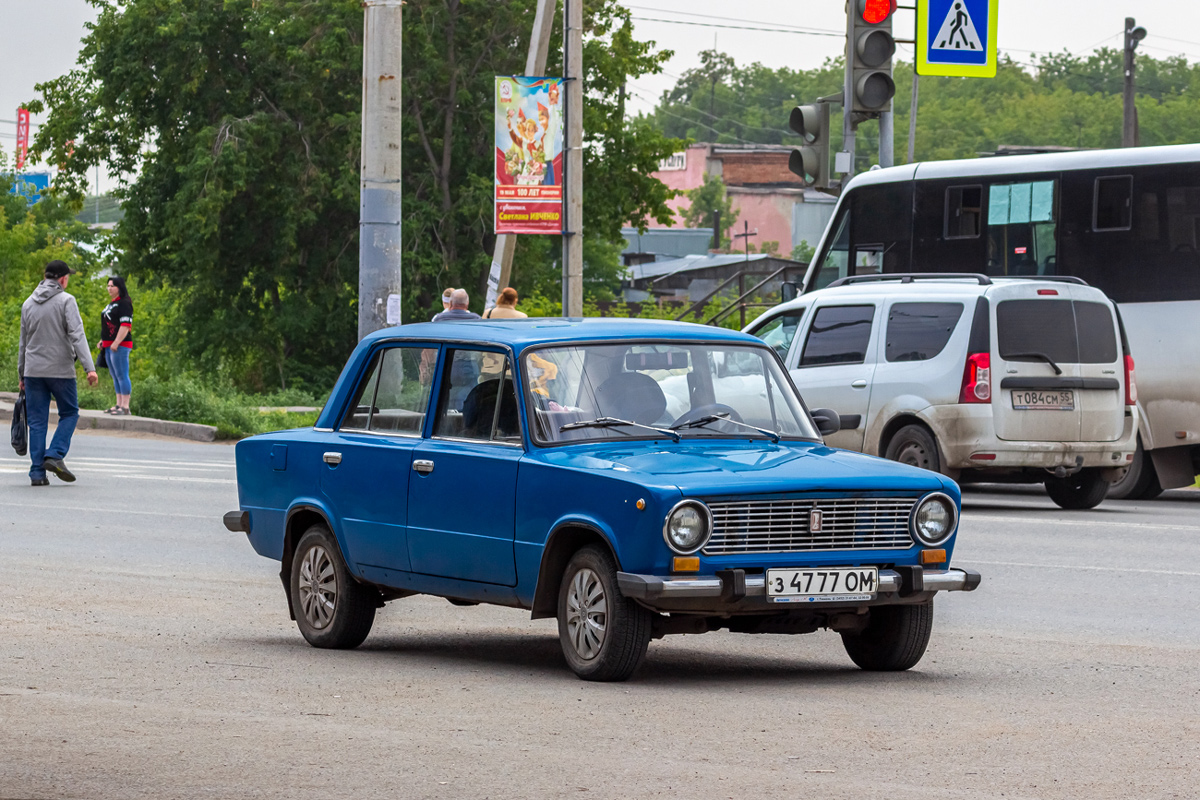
(520, 334)
(948, 288)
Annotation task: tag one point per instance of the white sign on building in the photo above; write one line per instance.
(676, 162)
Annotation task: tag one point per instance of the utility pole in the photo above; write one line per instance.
(572, 274)
(1129, 130)
(379, 253)
(844, 160)
(912, 117)
(535, 65)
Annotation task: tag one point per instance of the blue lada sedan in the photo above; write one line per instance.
(632, 478)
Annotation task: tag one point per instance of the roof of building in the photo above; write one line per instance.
(657, 269)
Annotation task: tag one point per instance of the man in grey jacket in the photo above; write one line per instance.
(52, 339)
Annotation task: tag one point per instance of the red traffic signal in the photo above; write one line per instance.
(876, 11)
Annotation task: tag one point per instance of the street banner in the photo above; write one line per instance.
(529, 155)
(22, 136)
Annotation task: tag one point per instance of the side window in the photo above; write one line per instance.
(838, 335)
(1097, 333)
(919, 331)
(780, 330)
(402, 395)
(478, 398)
(358, 415)
(1112, 206)
(835, 263)
(964, 209)
(1022, 228)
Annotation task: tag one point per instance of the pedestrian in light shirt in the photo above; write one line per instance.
(50, 343)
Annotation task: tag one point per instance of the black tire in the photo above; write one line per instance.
(606, 645)
(1084, 489)
(1140, 481)
(894, 640)
(333, 610)
(915, 445)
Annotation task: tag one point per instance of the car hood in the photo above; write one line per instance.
(739, 467)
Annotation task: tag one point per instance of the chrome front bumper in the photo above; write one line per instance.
(734, 586)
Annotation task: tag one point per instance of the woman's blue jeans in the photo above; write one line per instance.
(118, 365)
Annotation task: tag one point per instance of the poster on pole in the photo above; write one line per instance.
(529, 155)
(22, 136)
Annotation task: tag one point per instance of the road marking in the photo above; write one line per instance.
(1084, 523)
(133, 475)
(92, 510)
(1080, 567)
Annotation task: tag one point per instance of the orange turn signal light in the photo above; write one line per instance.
(686, 564)
(933, 556)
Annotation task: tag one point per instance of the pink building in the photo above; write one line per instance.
(765, 192)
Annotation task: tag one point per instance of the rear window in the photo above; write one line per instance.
(919, 331)
(839, 335)
(1068, 331)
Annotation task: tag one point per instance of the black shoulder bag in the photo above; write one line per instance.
(20, 430)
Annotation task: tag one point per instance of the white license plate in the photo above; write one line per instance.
(822, 585)
(1034, 400)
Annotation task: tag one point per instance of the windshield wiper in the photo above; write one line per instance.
(1042, 356)
(723, 416)
(610, 422)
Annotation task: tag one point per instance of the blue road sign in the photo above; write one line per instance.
(957, 38)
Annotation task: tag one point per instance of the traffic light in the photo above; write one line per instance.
(811, 161)
(871, 49)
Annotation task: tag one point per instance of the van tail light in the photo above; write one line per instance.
(1130, 382)
(977, 379)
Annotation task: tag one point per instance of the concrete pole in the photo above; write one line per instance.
(887, 135)
(912, 117)
(379, 251)
(535, 65)
(848, 96)
(573, 147)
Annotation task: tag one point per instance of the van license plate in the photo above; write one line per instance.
(822, 585)
(1028, 400)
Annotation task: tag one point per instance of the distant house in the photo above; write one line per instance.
(658, 244)
(769, 197)
(693, 277)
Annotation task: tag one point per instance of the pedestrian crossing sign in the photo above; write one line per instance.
(957, 38)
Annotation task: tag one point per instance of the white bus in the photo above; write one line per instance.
(1126, 221)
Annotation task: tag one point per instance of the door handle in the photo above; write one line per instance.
(332, 459)
(859, 384)
(422, 466)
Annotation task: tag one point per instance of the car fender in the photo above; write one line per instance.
(882, 419)
(557, 551)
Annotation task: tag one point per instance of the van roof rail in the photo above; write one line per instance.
(1058, 278)
(909, 277)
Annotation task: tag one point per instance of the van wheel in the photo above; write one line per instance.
(603, 634)
(915, 445)
(1084, 489)
(1140, 481)
(895, 638)
(332, 609)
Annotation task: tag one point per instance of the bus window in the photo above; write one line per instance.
(834, 264)
(964, 204)
(1022, 229)
(1112, 206)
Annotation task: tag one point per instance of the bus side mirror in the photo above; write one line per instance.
(789, 290)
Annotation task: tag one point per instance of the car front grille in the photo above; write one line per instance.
(783, 526)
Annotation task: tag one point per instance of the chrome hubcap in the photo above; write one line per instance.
(318, 587)
(587, 614)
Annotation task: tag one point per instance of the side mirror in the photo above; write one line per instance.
(789, 291)
(827, 421)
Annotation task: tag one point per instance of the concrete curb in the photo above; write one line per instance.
(99, 421)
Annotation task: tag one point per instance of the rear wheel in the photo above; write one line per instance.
(894, 640)
(604, 634)
(332, 609)
(1140, 481)
(1084, 489)
(915, 445)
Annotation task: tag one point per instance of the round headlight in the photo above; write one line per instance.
(687, 527)
(934, 519)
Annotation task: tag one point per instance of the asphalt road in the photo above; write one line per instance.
(145, 652)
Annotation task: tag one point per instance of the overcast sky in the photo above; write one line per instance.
(43, 36)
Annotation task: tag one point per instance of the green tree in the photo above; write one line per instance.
(707, 198)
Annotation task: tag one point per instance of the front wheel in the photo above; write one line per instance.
(332, 609)
(604, 635)
(1084, 489)
(894, 640)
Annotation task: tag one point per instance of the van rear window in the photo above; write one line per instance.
(919, 331)
(1068, 331)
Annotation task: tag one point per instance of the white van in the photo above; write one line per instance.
(981, 379)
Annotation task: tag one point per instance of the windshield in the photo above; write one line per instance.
(654, 390)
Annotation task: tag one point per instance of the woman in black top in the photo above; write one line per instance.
(116, 334)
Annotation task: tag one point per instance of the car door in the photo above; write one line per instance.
(368, 460)
(837, 364)
(462, 513)
(779, 330)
